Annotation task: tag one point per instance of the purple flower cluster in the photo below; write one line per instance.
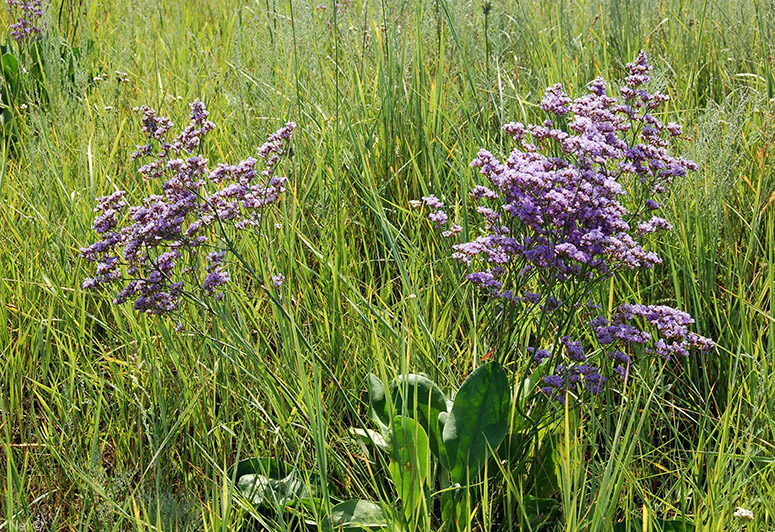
(27, 14)
(572, 204)
(671, 335)
(567, 378)
(155, 245)
(621, 336)
(575, 374)
(561, 215)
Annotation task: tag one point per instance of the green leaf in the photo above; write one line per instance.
(268, 466)
(10, 65)
(541, 513)
(477, 422)
(410, 463)
(10, 72)
(378, 407)
(418, 397)
(443, 420)
(370, 437)
(354, 515)
(268, 482)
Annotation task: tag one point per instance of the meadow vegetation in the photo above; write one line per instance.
(113, 419)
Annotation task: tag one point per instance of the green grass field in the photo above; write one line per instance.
(112, 420)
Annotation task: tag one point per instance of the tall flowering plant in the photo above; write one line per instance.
(575, 203)
(21, 67)
(173, 239)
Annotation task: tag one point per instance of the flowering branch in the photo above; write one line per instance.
(157, 248)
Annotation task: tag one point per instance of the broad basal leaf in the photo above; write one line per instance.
(477, 422)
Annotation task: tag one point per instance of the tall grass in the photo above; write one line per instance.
(113, 421)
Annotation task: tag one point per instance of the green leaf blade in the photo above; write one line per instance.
(419, 397)
(477, 422)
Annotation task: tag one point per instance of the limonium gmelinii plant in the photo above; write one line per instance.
(574, 204)
(176, 237)
(28, 15)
